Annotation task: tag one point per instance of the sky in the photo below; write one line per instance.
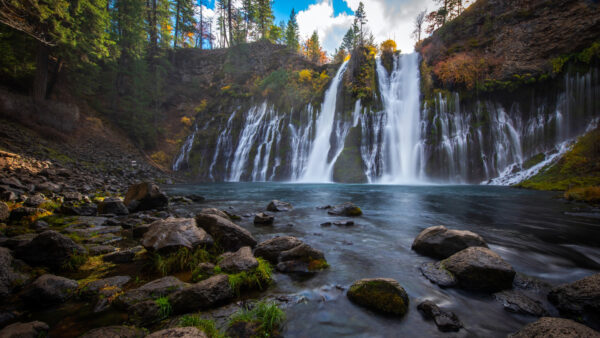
(387, 19)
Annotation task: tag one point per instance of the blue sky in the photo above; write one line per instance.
(282, 8)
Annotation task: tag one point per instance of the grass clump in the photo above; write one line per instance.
(75, 262)
(258, 278)
(183, 259)
(268, 316)
(584, 194)
(205, 325)
(164, 307)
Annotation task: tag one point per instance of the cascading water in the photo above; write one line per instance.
(318, 167)
(400, 93)
(184, 153)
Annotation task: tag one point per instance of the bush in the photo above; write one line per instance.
(461, 70)
(389, 46)
(585, 194)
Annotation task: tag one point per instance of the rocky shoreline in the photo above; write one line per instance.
(142, 264)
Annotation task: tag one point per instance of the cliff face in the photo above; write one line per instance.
(507, 38)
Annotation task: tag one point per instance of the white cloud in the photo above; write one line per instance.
(387, 19)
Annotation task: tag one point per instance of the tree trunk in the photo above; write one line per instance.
(229, 19)
(153, 28)
(176, 25)
(201, 27)
(40, 81)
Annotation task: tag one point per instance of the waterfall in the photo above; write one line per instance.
(184, 153)
(318, 168)
(400, 93)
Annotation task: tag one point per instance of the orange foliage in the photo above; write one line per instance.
(461, 69)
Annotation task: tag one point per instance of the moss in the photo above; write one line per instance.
(259, 278)
(380, 296)
(534, 160)
(578, 167)
(317, 265)
(268, 316)
(205, 325)
(95, 268)
(75, 262)
(584, 194)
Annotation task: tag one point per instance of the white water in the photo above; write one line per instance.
(400, 93)
(254, 118)
(184, 154)
(318, 168)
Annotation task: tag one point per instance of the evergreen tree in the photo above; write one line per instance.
(292, 39)
(183, 11)
(348, 41)
(313, 51)
(264, 17)
(360, 19)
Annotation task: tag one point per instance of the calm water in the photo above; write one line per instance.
(538, 234)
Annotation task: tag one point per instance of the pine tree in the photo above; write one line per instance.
(183, 11)
(360, 19)
(264, 17)
(348, 42)
(292, 39)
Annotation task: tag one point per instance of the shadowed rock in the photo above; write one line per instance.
(440, 242)
(555, 328)
(446, 321)
(112, 205)
(478, 268)
(185, 332)
(173, 233)
(241, 260)
(263, 219)
(49, 248)
(115, 332)
(49, 289)
(202, 295)
(384, 295)
(346, 209)
(276, 206)
(145, 196)
(25, 330)
(518, 302)
(229, 235)
(580, 299)
(272, 248)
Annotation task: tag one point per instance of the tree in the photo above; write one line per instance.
(292, 39)
(360, 19)
(264, 17)
(313, 51)
(348, 42)
(418, 25)
(448, 10)
(388, 46)
(184, 20)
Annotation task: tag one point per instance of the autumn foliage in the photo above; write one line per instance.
(388, 46)
(461, 70)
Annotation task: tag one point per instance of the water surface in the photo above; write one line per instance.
(538, 234)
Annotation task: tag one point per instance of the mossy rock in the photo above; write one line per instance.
(383, 295)
(349, 166)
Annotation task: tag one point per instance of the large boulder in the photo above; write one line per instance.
(346, 209)
(8, 276)
(155, 289)
(145, 196)
(202, 295)
(580, 299)
(301, 259)
(384, 295)
(446, 321)
(440, 242)
(115, 332)
(178, 332)
(555, 328)
(49, 289)
(272, 248)
(227, 234)
(50, 249)
(276, 206)
(20, 213)
(4, 211)
(216, 212)
(25, 330)
(112, 205)
(241, 260)
(173, 233)
(478, 268)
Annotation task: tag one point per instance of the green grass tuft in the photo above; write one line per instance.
(206, 325)
(268, 315)
(258, 278)
(164, 306)
(181, 260)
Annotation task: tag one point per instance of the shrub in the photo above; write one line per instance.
(186, 121)
(462, 70)
(388, 46)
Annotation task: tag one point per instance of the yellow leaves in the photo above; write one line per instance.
(372, 50)
(225, 88)
(305, 75)
(160, 157)
(186, 121)
(389, 46)
(324, 76)
(347, 57)
(201, 107)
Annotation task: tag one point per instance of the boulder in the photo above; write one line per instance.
(73, 196)
(122, 256)
(184, 332)
(18, 214)
(478, 268)
(438, 275)
(49, 289)
(16, 241)
(48, 187)
(145, 196)
(25, 330)
(277, 206)
(9, 278)
(580, 299)
(272, 248)
(202, 295)
(172, 234)
(241, 260)
(155, 289)
(49, 248)
(12, 182)
(440, 242)
(94, 287)
(145, 313)
(555, 328)
(115, 332)
(95, 250)
(4, 211)
(216, 212)
(34, 201)
(263, 219)
(446, 321)
(112, 205)
(230, 236)
(518, 302)
(384, 295)
(346, 209)
(301, 259)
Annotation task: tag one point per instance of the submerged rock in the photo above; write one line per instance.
(49, 248)
(518, 302)
(241, 260)
(263, 219)
(346, 209)
(229, 235)
(580, 299)
(173, 233)
(301, 259)
(202, 295)
(438, 275)
(276, 206)
(440, 242)
(25, 330)
(384, 295)
(145, 196)
(272, 248)
(478, 268)
(446, 321)
(555, 328)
